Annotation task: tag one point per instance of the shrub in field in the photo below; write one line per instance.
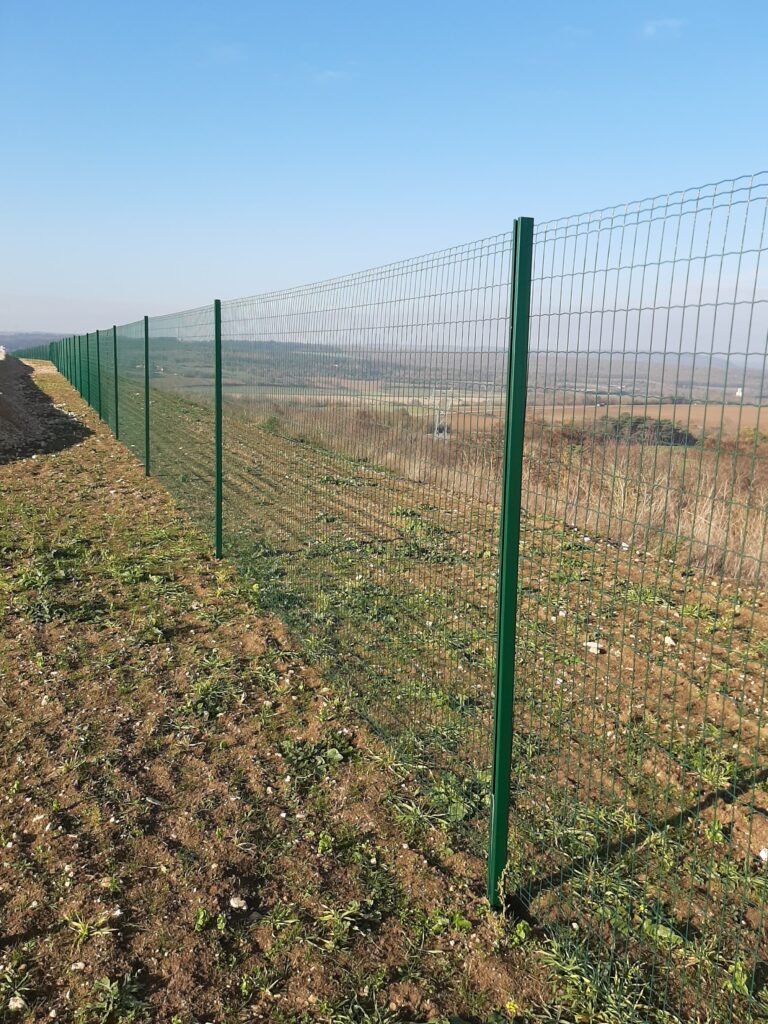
(635, 430)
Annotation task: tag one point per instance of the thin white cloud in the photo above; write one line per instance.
(222, 55)
(330, 75)
(663, 28)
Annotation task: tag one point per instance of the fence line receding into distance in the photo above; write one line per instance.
(353, 447)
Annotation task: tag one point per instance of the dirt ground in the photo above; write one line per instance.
(30, 421)
(194, 827)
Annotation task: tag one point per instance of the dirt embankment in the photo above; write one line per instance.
(30, 422)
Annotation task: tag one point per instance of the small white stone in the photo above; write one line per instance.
(594, 648)
(669, 642)
(763, 855)
(78, 965)
(238, 903)
(16, 1003)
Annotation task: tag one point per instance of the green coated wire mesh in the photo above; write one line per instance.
(107, 378)
(91, 371)
(34, 352)
(363, 428)
(181, 382)
(362, 446)
(83, 364)
(640, 818)
(130, 386)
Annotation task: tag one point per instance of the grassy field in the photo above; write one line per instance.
(707, 497)
(641, 807)
(640, 819)
(171, 746)
(195, 826)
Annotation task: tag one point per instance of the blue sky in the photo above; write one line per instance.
(157, 155)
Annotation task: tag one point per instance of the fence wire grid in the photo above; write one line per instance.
(363, 424)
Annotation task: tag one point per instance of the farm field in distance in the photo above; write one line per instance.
(704, 419)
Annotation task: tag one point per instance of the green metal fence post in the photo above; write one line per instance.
(80, 386)
(98, 370)
(117, 390)
(146, 396)
(218, 530)
(509, 554)
(88, 365)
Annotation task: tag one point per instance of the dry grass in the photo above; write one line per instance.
(707, 505)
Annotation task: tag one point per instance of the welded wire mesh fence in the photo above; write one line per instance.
(130, 393)
(361, 489)
(364, 426)
(641, 812)
(181, 405)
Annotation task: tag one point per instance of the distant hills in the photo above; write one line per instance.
(11, 340)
